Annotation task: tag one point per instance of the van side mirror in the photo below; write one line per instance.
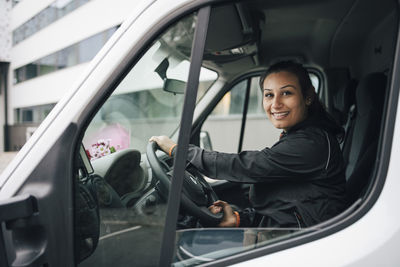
(205, 141)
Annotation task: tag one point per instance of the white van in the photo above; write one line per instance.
(89, 190)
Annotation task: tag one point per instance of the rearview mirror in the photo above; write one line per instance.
(170, 85)
(174, 86)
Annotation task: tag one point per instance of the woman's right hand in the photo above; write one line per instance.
(229, 219)
(164, 142)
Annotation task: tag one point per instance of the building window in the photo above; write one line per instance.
(72, 55)
(31, 70)
(67, 57)
(50, 14)
(34, 114)
(88, 48)
(47, 64)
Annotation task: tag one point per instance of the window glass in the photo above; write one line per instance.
(50, 14)
(205, 245)
(259, 131)
(47, 64)
(89, 47)
(17, 35)
(31, 26)
(19, 75)
(27, 115)
(45, 17)
(67, 57)
(31, 70)
(132, 203)
(227, 114)
(255, 97)
(140, 105)
(35, 114)
(77, 53)
(65, 6)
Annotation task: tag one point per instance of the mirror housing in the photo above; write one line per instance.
(205, 140)
(170, 85)
(174, 86)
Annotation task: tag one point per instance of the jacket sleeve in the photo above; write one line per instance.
(301, 155)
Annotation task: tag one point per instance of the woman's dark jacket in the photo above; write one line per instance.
(299, 181)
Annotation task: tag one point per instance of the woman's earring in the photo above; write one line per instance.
(308, 101)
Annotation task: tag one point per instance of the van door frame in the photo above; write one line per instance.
(174, 197)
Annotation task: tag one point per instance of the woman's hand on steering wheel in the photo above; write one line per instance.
(229, 219)
(163, 142)
(196, 191)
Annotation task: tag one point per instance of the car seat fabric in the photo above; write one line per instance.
(362, 136)
(86, 222)
(344, 94)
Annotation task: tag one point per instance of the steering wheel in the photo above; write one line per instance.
(196, 195)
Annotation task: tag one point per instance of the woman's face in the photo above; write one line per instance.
(283, 100)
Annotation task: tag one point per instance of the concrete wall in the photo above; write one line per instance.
(5, 35)
(42, 90)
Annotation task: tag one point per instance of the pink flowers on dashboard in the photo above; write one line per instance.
(100, 149)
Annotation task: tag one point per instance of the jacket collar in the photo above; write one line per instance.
(309, 121)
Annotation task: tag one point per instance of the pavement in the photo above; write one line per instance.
(5, 159)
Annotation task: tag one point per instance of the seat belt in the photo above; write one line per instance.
(349, 125)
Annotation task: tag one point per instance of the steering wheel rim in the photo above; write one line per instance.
(205, 216)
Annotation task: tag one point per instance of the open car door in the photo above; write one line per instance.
(57, 211)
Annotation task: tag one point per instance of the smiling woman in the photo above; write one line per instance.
(283, 100)
(299, 181)
(290, 97)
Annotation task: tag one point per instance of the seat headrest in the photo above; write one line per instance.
(344, 96)
(344, 92)
(370, 93)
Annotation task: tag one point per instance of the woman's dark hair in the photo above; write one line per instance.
(316, 109)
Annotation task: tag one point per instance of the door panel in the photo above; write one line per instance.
(47, 235)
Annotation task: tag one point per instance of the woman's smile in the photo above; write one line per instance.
(280, 115)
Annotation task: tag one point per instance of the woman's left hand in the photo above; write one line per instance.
(163, 142)
(229, 219)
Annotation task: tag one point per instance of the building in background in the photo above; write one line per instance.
(5, 58)
(44, 46)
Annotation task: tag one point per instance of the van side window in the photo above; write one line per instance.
(131, 212)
